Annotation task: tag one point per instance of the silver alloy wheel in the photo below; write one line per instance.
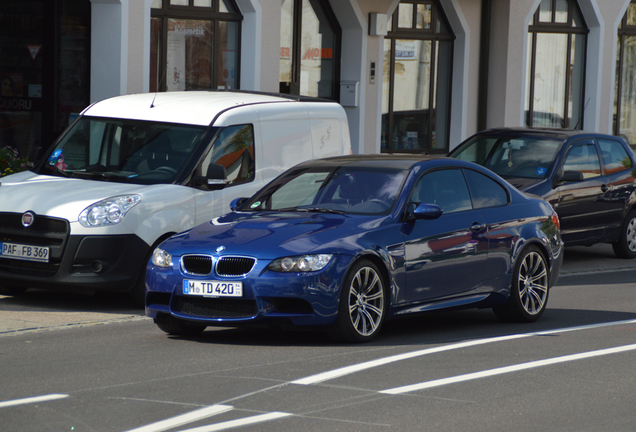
(630, 235)
(533, 283)
(366, 301)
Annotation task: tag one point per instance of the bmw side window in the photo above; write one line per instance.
(614, 155)
(234, 150)
(484, 191)
(445, 188)
(584, 159)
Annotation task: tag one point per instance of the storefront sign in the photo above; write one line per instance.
(16, 104)
(318, 53)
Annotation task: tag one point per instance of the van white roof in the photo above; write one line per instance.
(193, 107)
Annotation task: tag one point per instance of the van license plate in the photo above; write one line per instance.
(24, 252)
(212, 288)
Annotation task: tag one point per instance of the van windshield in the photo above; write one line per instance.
(123, 150)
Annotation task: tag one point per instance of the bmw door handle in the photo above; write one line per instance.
(477, 227)
(605, 188)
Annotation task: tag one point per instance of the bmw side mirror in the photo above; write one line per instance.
(427, 211)
(237, 203)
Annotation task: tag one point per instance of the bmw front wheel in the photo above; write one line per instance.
(363, 304)
(529, 288)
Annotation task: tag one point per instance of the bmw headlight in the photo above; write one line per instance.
(304, 263)
(109, 211)
(161, 258)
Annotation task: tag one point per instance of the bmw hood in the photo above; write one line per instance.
(271, 234)
(55, 196)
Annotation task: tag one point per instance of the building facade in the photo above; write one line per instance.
(413, 75)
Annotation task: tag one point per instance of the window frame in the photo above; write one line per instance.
(191, 12)
(553, 27)
(296, 50)
(395, 33)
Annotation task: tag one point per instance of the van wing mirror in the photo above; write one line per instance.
(215, 179)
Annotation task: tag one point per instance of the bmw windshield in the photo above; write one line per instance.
(356, 190)
(123, 150)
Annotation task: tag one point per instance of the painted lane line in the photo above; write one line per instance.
(507, 369)
(348, 370)
(240, 422)
(182, 419)
(31, 400)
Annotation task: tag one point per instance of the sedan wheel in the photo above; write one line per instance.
(529, 289)
(625, 247)
(362, 304)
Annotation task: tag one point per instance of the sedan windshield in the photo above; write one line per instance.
(123, 150)
(510, 157)
(354, 190)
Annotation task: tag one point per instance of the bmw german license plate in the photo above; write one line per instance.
(212, 288)
(24, 252)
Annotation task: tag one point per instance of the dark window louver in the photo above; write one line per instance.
(234, 266)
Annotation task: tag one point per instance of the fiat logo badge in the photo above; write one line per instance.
(219, 249)
(27, 219)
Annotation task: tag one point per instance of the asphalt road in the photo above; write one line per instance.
(98, 365)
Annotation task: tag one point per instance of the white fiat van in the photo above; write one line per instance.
(133, 170)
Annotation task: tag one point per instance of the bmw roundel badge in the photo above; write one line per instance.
(27, 219)
(219, 249)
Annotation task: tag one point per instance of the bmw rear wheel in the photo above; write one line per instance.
(529, 288)
(363, 304)
(625, 247)
(177, 327)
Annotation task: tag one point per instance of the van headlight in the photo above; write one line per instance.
(110, 211)
(161, 258)
(304, 263)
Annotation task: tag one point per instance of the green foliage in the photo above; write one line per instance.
(11, 162)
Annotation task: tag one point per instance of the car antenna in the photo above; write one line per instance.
(152, 104)
(582, 114)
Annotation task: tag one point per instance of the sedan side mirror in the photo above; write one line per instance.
(427, 211)
(237, 202)
(572, 176)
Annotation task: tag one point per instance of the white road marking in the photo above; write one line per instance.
(508, 369)
(347, 370)
(31, 400)
(182, 419)
(240, 422)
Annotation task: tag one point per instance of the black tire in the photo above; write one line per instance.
(12, 290)
(177, 327)
(529, 288)
(625, 247)
(363, 304)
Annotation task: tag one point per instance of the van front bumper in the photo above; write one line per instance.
(78, 263)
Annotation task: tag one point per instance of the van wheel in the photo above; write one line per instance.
(625, 247)
(528, 290)
(363, 304)
(12, 290)
(177, 327)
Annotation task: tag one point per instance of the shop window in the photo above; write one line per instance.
(625, 98)
(416, 95)
(194, 45)
(557, 38)
(309, 49)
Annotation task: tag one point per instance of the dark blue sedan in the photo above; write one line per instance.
(588, 178)
(348, 242)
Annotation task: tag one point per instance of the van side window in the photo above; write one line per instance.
(234, 149)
